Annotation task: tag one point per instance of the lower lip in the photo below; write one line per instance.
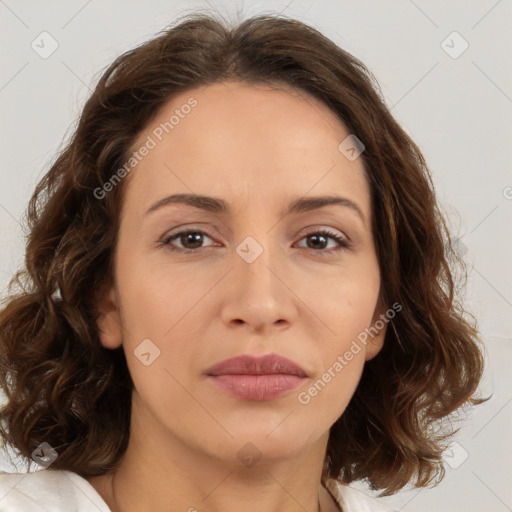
(257, 387)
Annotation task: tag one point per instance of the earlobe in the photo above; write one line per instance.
(109, 321)
(378, 333)
(375, 345)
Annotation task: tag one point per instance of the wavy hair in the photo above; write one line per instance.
(64, 388)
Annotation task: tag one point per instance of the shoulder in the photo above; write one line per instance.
(354, 500)
(55, 490)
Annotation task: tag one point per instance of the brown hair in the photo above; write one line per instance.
(64, 388)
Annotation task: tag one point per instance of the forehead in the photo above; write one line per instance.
(233, 138)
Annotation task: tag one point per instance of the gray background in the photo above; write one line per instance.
(458, 110)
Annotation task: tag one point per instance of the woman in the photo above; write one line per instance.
(237, 290)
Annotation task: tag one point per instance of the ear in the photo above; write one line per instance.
(377, 331)
(109, 320)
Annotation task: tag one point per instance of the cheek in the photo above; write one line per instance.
(156, 297)
(330, 391)
(347, 303)
(164, 307)
(346, 306)
(348, 313)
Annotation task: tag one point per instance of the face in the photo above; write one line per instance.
(253, 278)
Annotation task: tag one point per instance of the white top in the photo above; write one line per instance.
(59, 490)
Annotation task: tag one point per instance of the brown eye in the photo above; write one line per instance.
(319, 239)
(191, 240)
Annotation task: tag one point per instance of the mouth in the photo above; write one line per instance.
(257, 378)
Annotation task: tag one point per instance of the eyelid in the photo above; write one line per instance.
(315, 228)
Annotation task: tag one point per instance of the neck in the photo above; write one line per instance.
(326, 501)
(161, 472)
(139, 485)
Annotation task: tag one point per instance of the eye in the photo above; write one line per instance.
(191, 240)
(320, 238)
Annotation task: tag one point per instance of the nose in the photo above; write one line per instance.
(257, 294)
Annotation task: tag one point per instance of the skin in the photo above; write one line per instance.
(258, 148)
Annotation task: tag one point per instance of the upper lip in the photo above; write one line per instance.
(257, 365)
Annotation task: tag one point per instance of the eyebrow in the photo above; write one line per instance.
(217, 205)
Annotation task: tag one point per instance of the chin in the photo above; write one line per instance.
(254, 446)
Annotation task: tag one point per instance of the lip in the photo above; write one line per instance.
(257, 377)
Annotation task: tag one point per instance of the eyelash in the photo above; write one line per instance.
(344, 244)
